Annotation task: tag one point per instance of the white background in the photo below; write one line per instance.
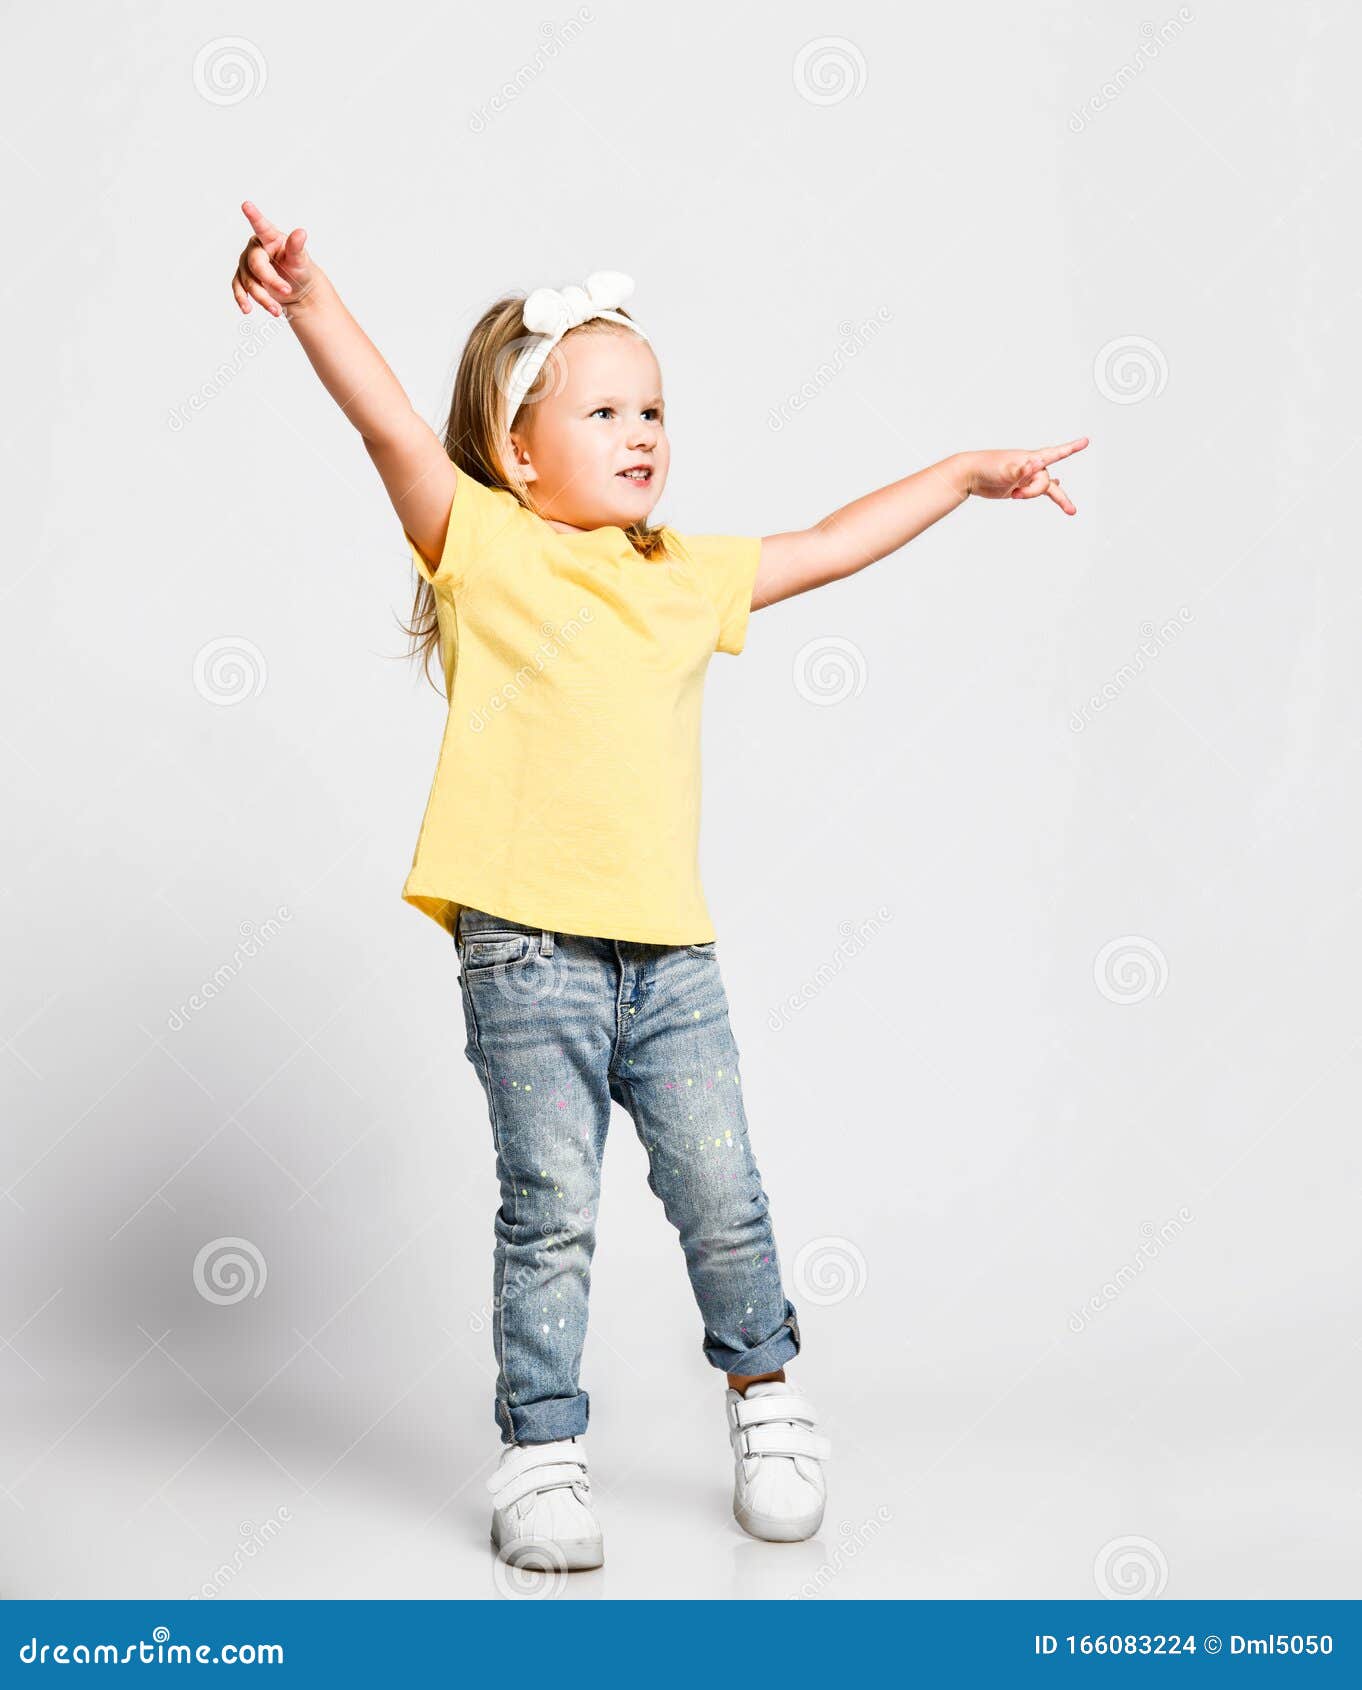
(1116, 982)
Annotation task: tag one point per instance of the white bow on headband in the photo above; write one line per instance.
(550, 312)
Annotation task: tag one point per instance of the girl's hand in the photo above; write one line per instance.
(1020, 474)
(273, 268)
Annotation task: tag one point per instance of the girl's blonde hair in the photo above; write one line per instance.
(473, 438)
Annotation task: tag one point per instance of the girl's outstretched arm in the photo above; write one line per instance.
(882, 521)
(416, 470)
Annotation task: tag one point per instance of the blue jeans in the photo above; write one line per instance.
(559, 1026)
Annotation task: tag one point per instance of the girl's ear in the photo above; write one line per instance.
(515, 458)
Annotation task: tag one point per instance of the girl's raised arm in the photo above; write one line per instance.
(406, 451)
(872, 527)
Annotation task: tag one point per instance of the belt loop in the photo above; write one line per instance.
(545, 942)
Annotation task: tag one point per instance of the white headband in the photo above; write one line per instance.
(550, 312)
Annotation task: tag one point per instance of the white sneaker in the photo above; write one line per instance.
(542, 1515)
(779, 1491)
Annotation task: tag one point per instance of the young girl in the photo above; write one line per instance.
(560, 841)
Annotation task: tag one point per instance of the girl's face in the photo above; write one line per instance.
(601, 416)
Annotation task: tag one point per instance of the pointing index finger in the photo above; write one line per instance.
(1052, 454)
(260, 223)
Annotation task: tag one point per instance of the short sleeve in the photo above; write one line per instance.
(726, 566)
(480, 519)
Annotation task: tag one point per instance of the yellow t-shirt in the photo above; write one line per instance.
(567, 790)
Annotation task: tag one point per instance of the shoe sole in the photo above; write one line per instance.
(776, 1531)
(550, 1554)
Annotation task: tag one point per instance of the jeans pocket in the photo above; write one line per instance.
(487, 948)
(709, 948)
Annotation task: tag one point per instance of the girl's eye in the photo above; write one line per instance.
(609, 411)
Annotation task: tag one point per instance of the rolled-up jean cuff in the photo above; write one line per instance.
(543, 1422)
(782, 1346)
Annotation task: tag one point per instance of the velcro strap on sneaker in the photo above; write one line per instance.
(529, 1456)
(777, 1439)
(753, 1411)
(543, 1477)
